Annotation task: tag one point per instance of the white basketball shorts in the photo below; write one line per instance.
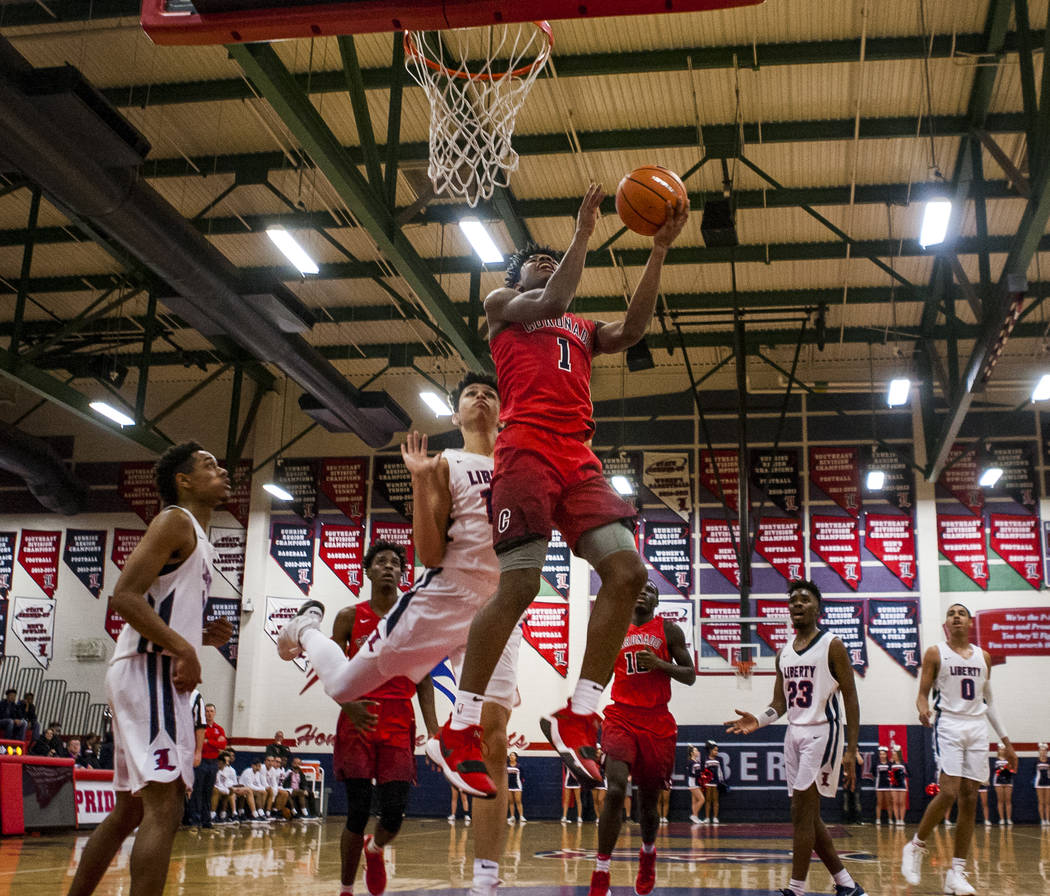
(152, 723)
(960, 744)
(813, 755)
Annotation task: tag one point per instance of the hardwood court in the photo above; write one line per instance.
(543, 857)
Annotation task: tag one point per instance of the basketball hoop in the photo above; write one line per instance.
(476, 80)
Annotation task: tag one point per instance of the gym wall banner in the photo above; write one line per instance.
(716, 638)
(393, 483)
(7, 562)
(343, 482)
(892, 540)
(1019, 477)
(240, 501)
(845, 620)
(719, 548)
(33, 622)
(114, 622)
(124, 542)
(228, 558)
(960, 478)
(777, 632)
(229, 609)
(836, 541)
(834, 470)
(546, 629)
(668, 548)
(136, 488)
(278, 611)
(292, 546)
(780, 544)
(298, 477)
(1018, 631)
(556, 564)
(898, 488)
(1015, 538)
(342, 550)
(961, 540)
(38, 556)
(399, 533)
(668, 475)
(725, 463)
(85, 554)
(894, 626)
(776, 474)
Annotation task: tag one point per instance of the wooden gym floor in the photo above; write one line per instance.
(302, 859)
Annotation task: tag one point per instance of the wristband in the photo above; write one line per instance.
(767, 717)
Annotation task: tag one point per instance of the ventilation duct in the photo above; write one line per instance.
(45, 475)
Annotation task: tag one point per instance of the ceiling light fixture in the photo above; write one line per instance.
(279, 493)
(295, 253)
(876, 480)
(622, 485)
(1041, 392)
(436, 403)
(897, 394)
(935, 222)
(111, 413)
(479, 239)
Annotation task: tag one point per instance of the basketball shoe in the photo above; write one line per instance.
(458, 754)
(375, 868)
(309, 616)
(911, 862)
(575, 738)
(956, 884)
(599, 883)
(646, 879)
(855, 890)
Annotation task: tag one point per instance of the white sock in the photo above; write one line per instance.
(346, 890)
(467, 711)
(486, 871)
(958, 864)
(843, 879)
(798, 887)
(602, 863)
(586, 697)
(373, 848)
(918, 842)
(648, 847)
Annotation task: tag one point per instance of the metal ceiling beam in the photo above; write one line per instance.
(886, 49)
(276, 84)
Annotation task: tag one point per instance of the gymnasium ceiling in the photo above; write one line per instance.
(831, 123)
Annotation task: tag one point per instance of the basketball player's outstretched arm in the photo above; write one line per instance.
(931, 666)
(749, 722)
(170, 538)
(842, 671)
(431, 499)
(621, 335)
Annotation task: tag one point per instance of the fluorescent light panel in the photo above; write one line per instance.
(935, 222)
(1041, 392)
(479, 238)
(876, 479)
(622, 485)
(990, 476)
(436, 403)
(110, 412)
(295, 253)
(897, 394)
(279, 493)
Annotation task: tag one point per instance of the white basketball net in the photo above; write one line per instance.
(476, 80)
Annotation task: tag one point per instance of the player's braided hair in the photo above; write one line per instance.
(177, 459)
(519, 258)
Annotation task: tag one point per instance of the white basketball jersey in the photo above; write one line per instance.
(469, 547)
(959, 688)
(178, 596)
(810, 689)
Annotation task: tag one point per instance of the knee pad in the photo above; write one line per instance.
(529, 553)
(597, 544)
(393, 799)
(358, 804)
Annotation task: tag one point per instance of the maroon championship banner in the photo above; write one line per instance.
(726, 464)
(1015, 538)
(1021, 631)
(718, 547)
(898, 487)
(114, 622)
(33, 623)
(835, 471)
(7, 562)
(668, 548)
(894, 626)
(836, 540)
(4, 604)
(343, 482)
(776, 474)
(717, 638)
(240, 501)
(960, 478)
(298, 477)
(136, 487)
(961, 540)
(1019, 477)
(228, 556)
(342, 550)
(230, 610)
(292, 546)
(394, 483)
(775, 633)
(781, 545)
(845, 620)
(668, 476)
(38, 556)
(892, 540)
(124, 542)
(399, 533)
(556, 564)
(85, 554)
(546, 630)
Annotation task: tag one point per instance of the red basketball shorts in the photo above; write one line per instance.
(385, 754)
(544, 481)
(649, 754)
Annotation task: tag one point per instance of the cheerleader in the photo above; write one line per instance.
(1042, 786)
(694, 772)
(898, 784)
(514, 782)
(1004, 787)
(883, 792)
(570, 795)
(714, 779)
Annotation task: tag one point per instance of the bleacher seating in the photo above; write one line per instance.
(73, 710)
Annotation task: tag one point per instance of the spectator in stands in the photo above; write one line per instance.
(105, 751)
(73, 749)
(46, 745)
(12, 720)
(28, 709)
(279, 748)
(298, 786)
(89, 754)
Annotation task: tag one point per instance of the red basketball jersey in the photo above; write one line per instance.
(365, 622)
(544, 372)
(649, 688)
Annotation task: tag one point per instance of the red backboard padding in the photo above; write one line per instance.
(177, 22)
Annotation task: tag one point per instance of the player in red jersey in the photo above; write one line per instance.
(375, 737)
(638, 733)
(546, 476)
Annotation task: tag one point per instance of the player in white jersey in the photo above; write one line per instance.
(958, 674)
(812, 670)
(161, 594)
(452, 534)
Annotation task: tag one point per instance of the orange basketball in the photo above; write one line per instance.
(642, 197)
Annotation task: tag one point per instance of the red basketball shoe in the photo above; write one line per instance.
(599, 883)
(576, 740)
(458, 754)
(646, 879)
(375, 869)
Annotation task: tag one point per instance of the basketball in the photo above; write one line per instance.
(642, 197)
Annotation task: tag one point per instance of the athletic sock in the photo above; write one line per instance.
(346, 890)
(586, 697)
(467, 711)
(486, 871)
(843, 879)
(373, 847)
(958, 864)
(648, 847)
(798, 887)
(602, 863)
(920, 843)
